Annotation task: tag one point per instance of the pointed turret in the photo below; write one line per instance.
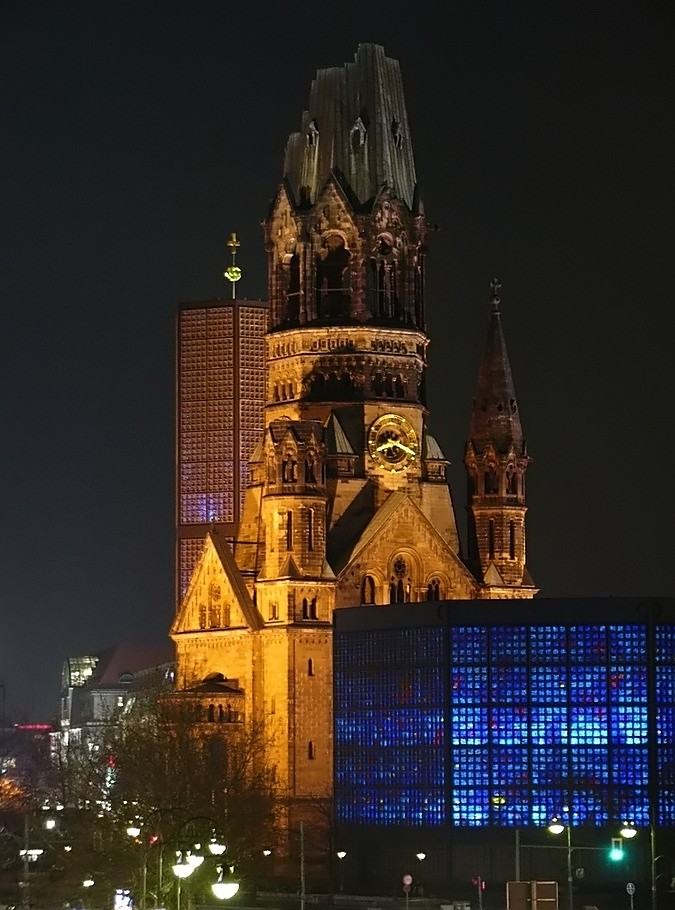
(496, 460)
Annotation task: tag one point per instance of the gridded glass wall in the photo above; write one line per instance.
(389, 729)
(503, 725)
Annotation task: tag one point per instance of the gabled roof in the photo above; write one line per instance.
(390, 514)
(117, 664)
(226, 557)
(303, 431)
(336, 440)
(432, 451)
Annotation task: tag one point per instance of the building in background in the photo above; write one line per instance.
(347, 501)
(95, 688)
(220, 393)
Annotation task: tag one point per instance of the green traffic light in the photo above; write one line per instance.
(616, 850)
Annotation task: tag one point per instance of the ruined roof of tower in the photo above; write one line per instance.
(356, 126)
(495, 417)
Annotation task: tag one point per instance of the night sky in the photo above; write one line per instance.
(137, 136)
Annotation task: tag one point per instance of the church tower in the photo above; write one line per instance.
(496, 459)
(347, 500)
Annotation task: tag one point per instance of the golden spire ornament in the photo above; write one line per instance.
(233, 272)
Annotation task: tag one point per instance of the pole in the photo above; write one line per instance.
(652, 863)
(144, 873)
(480, 892)
(26, 863)
(302, 866)
(517, 833)
(178, 894)
(570, 896)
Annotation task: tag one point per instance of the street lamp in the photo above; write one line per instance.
(224, 890)
(341, 855)
(557, 826)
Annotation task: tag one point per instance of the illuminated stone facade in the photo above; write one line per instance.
(347, 501)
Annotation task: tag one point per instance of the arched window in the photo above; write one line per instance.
(310, 667)
(312, 608)
(332, 279)
(512, 540)
(434, 589)
(310, 529)
(289, 530)
(311, 749)
(368, 590)
(491, 538)
(211, 714)
(378, 384)
(491, 482)
(399, 388)
(512, 483)
(305, 608)
(310, 464)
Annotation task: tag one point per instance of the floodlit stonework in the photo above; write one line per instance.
(347, 500)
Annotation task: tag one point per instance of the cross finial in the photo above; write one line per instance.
(233, 272)
(495, 287)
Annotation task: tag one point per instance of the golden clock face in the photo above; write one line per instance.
(392, 442)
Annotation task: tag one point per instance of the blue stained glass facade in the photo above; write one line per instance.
(503, 725)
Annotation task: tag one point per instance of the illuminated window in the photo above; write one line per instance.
(289, 530)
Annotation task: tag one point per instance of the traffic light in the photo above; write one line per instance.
(616, 850)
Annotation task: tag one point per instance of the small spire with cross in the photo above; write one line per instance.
(233, 272)
(495, 287)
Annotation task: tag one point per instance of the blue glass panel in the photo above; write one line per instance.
(471, 766)
(391, 807)
(548, 644)
(666, 807)
(509, 726)
(508, 645)
(629, 725)
(589, 765)
(665, 644)
(509, 685)
(510, 807)
(469, 727)
(588, 644)
(468, 644)
(469, 685)
(630, 765)
(510, 767)
(550, 765)
(548, 803)
(628, 644)
(471, 806)
(627, 684)
(631, 804)
(588, 685)
(549, 725)
(666, 756)
(588, 726)
(591, 807)
(665, 684)
(548, 685)
(665, 725)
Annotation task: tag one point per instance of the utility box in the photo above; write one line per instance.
(532, 896)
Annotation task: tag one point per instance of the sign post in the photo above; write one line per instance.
(407, 882)
(630, 891)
